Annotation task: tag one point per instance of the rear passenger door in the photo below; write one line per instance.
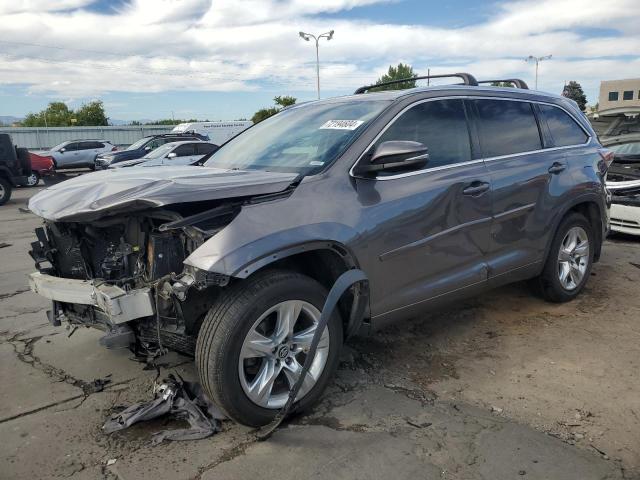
(426, 231)
(525, 178)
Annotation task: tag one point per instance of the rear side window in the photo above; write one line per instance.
(507, 127)
(440, 125)
(564, 129)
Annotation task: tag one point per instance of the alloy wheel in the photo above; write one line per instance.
(32, 180)
(573, 258)
(274, 351)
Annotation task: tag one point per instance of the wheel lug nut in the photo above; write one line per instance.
(288, 361)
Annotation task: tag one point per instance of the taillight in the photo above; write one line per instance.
(607, 156)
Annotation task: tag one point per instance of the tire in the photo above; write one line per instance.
(236, 313)
(549, 283)
(5, 191)
(33, 179)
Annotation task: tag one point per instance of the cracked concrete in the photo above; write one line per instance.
(415, 401)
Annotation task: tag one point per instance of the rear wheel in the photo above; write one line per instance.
(5, 191)
(253, 343)
(570, 259)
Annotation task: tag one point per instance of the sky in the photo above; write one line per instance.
(224, 59)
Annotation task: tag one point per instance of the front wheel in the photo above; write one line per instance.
(569, 261)
(253, 343)
(33, 179)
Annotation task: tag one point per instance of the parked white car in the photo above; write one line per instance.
(77, 153)
(623, 181)
(174, 153)
(218, 132)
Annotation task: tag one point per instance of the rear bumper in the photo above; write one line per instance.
(625, 219)
(118, 305)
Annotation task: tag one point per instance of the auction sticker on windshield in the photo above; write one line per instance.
(341, 124)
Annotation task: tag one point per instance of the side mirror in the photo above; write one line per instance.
(147, 148)
(172, 155)
(395, 156)
(62, 150)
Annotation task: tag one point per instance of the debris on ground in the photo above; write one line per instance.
(97, 385)
(497, 410)
(4, 244)
(178, 398)
(111, 461)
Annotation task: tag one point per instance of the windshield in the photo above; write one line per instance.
(626, 148)
(138, 144)
(301, 139)
(160, 151)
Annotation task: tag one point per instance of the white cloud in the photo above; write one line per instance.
(228, 45)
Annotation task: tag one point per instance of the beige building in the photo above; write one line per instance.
(619, 96)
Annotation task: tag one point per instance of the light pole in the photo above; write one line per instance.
(531, 58)
(307, 36)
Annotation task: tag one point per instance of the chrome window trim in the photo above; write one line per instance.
(470, 162)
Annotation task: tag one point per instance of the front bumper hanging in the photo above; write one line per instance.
(119, 306)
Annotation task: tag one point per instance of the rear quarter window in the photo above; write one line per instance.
(564, 129)
(507, 127)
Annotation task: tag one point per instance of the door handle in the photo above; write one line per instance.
(557, 168)
(476, 188)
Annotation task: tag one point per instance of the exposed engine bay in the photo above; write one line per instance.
(144, 250)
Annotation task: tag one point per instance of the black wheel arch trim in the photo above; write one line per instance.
(592, 198)
(360, 307)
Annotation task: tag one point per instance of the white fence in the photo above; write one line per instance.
(43, 138)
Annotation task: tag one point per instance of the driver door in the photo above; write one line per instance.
(426, 232)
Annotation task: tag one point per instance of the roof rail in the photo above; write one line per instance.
(467, 79)
(515, 81)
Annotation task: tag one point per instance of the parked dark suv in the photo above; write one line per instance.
(15, 167)
(434, 193)
(143, 146)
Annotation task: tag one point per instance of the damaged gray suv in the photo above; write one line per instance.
(435, 193)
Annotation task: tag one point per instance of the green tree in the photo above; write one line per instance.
(573, 90)
(281, 101)
(400, 72)
(91, 114)
(501, 84)
(57, 114)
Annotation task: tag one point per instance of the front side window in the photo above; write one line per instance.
(440, 125)
(564, 129)
(302, 139)
(613, 96)
(204, 148)
(185, 150)
(160, 151)
(507, 127)
(153, 144)
(71, 147)
(139, 144)
(627, 95)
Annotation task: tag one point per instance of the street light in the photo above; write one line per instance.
(307, 36)
(531, 58)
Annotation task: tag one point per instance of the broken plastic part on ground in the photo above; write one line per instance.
(181, 399)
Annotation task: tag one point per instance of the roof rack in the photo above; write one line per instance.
(467, 79)
(515, 81)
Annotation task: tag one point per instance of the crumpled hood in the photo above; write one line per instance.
(94, 195)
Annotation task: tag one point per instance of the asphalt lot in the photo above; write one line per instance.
(501, 387)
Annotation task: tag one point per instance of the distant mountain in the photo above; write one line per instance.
(8, 119)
